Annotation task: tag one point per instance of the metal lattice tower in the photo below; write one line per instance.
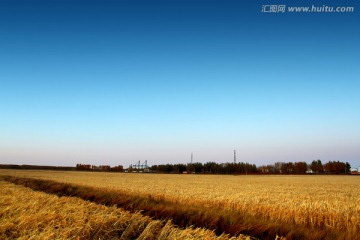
(235, 156)
(139, 166)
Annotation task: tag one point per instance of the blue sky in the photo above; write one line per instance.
(114, 82)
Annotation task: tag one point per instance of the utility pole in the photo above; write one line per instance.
(234, 156)
(189, 166)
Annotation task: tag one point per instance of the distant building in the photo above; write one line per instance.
(137, 167)
(355, 170)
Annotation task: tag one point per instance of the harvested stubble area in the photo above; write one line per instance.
(27, 214)
(298, 207)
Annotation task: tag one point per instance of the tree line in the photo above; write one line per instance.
(316, 167)
(101, 168)
(209, 167)
(36, 167)
(79, 167)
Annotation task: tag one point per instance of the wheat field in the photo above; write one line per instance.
(26, 214)
(331, 202)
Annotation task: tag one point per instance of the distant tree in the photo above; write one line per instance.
(162, 168)
(316, 166)
(267, 169)
(253, 168)
(179, 168)
(190, 168)
(83, 167)
(287, 168)
(118, 168)
(211, 167)
(336, 167)
(169, 168)
(198, 167)
(348, 167)
(154, 168)
(277, 167)
(300, 168)
(248, 168)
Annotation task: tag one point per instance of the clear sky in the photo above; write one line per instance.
(114, 82)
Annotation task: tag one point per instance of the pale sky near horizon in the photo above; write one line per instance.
(115, 82)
